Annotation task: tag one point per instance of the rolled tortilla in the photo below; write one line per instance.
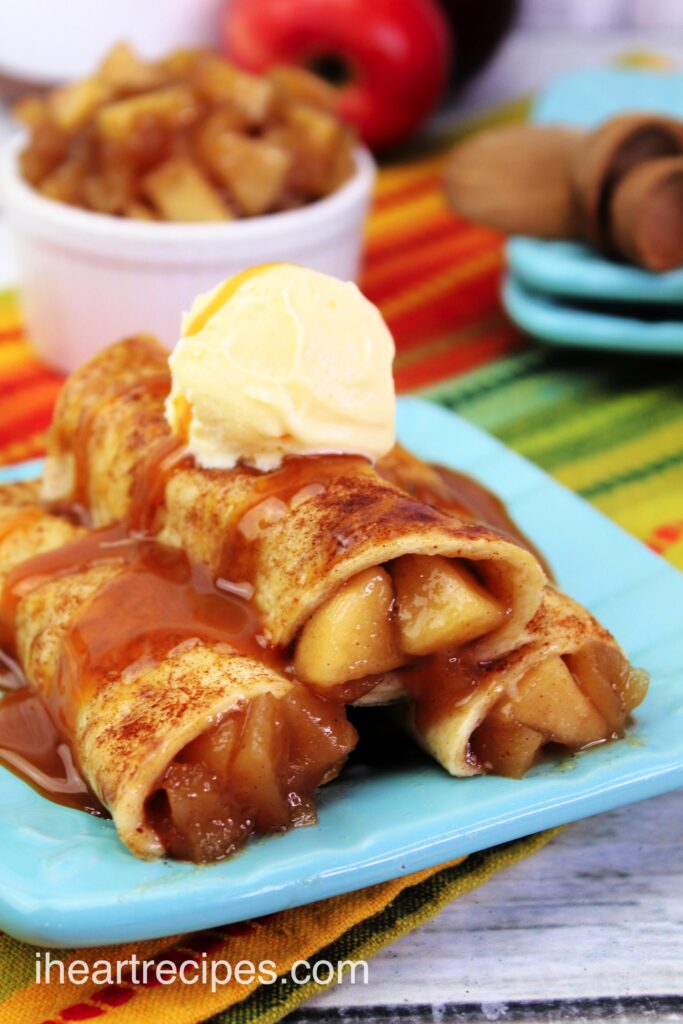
(570, 685)
(299, 535)
(20, 494)
(190, 744)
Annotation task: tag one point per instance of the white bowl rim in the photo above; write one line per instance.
(75, 228)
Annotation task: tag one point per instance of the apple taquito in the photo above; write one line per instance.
(568, 685)
(157, 689)
(353, 575)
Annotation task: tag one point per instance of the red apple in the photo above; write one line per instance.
(389, 58)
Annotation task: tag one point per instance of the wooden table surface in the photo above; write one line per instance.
(589, 929)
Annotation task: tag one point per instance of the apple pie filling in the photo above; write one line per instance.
(253, 772)
(574, 701)
(385, 617)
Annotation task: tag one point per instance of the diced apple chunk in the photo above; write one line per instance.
(300, 84)
(33, 112)
(319, 127)
(635, 688)
(506, 748)
(139, 211)
(440, 604)
(253, 171)
(214, 748)
(111, 191)
(72, 105)
(352, 634)
(123, 70)
(549, 700)
(260, 762)
(219, 82)
(182, 63)
(180, 192)
(322, 146)
(173, 107)
(597, 669)
(64, 184)
(607, 679)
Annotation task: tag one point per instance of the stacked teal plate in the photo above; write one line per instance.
(561, 322)
(564, 292)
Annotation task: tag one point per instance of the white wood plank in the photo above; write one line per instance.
(598, 913)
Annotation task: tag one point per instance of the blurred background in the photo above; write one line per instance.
(601, 13)
(501, 49)
(550, 36)
(45, 43)
(505, 48)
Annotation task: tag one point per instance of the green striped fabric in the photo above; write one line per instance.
(610, 427)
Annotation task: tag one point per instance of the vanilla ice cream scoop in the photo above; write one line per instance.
(280, 360)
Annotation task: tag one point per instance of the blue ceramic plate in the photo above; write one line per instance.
(66, 880)
(564, 323)
(575, 271)
(589, 95)
(584, 98)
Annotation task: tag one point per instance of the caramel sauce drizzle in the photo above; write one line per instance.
(273, 495)
(71, 558)
(440, 683)
(451, 491)
(159, 601)
(160, 598)
(11, 676)
(223, 295)
(149, 486)
(157, 384)
(32, 748)
(30, 745)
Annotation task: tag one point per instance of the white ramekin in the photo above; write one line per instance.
(87, 279)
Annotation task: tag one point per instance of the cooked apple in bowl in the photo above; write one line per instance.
(189, 138)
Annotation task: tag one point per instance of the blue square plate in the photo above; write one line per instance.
(584, 98)
(65, 879)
